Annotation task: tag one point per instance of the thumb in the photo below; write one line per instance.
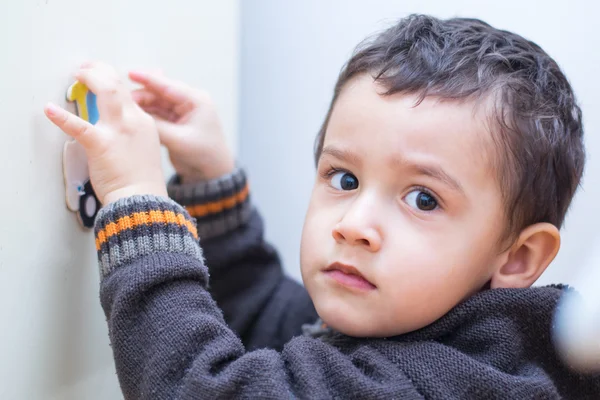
(72, 125)
(167, 131)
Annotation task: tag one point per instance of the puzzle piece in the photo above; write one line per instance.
(80, 196)
(85, 101)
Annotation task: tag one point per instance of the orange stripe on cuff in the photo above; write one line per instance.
(143, 218)
(215, 207)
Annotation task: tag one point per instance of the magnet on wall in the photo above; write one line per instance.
(80, 196)
(88, 206)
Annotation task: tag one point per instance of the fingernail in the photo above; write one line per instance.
(51, 109)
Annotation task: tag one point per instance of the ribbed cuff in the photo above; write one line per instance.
(220, 205)
(137, 226)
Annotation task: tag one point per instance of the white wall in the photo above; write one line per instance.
(293, 51)
(53, 340)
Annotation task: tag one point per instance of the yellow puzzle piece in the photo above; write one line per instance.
(85, 101)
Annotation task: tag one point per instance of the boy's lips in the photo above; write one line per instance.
(349, 276)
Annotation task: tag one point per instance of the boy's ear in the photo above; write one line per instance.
(528, 257)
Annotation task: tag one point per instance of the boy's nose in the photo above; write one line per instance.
(356, 235)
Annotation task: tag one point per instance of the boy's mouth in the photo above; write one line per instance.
(349, 276)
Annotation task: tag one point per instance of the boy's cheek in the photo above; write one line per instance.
(320, 218)
(314, 241)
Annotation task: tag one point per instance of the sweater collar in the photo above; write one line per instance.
(526, 304)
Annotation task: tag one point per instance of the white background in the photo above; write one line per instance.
(53, 335)
(293, 51)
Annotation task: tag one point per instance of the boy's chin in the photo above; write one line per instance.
(351, 323)
(357, 323)
(360, 330)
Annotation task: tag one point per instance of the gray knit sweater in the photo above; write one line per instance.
(176, 334)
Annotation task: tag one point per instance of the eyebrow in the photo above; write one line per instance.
(343, 155)
(437, 173)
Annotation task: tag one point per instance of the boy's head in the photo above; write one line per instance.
(446, 165)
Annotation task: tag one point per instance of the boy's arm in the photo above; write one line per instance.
(262, 305)
(169, 337)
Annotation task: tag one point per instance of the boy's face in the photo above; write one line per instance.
(405, 197)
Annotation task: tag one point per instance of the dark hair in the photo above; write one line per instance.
(538, 129)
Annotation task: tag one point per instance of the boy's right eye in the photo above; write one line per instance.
(343, 180)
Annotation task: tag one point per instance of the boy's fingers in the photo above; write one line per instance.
(104, 81)
(166, 132)
(169, 89)
(145, 98)
(72, 125)
(99, 78)
(161, 113)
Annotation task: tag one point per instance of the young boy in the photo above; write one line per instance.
(445, 167)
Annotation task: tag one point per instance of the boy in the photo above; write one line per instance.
(445, 167)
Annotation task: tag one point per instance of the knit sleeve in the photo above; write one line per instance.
(219, 205)
(262, 305)
(169, 338)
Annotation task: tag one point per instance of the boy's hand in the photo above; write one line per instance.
(188, 126)
(123, 148)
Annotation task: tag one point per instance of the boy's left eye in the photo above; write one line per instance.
(421, 200)
(344, 181)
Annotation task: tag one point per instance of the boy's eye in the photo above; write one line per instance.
(421, 200)
(344, 181)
